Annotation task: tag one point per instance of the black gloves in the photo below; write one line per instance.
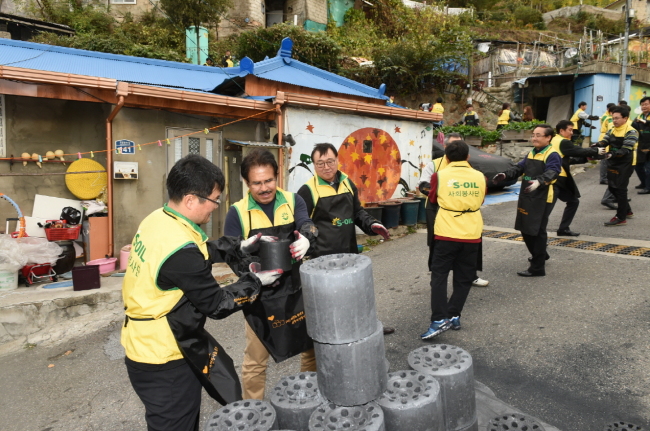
(425, 187)
(593, 117)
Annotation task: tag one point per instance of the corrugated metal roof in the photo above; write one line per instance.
(255, 143)
(119, 67)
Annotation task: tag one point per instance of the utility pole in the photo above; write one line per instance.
(621, 82)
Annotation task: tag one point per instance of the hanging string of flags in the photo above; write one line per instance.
(59, 154)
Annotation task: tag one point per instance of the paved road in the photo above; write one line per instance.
(572, 348)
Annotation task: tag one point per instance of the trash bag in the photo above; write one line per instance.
(11, 256)
(39, 250)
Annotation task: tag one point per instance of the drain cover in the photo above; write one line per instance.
(514, 421)
(622, 426)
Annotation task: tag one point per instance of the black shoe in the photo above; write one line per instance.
(644, 192)
(640, 187)
(530, 259)
(567, 232)
(603, 182)
(531, 274)
(388, 330)
(610, 205)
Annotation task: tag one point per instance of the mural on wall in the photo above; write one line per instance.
(637, 92)
(382, 158)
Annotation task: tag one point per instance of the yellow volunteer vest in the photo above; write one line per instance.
(438, 108)
(605, 124)
(620, 132)
(460, 188)
(504, 118)
(543, 155)
(575, 118)
(161, 234)
(555, 142)
(440, 163)
(250, 212)
(321, 188)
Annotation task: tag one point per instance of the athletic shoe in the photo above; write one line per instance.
(630, 214)
(479, 282)
(610, 205)
(603, 182)
(639, 187)
(643, 192)
(437, 327)
(615, 221)
(455, 323)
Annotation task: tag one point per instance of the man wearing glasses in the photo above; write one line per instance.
(333, 204)
(273, 323)
(169, 290)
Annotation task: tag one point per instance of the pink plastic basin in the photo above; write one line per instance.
(105, 265)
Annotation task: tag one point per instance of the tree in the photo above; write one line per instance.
(190, 13)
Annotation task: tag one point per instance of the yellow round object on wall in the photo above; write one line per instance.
(86, 186)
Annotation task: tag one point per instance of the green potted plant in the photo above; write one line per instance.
(518, 130)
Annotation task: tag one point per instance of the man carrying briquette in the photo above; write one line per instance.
(333, 204)
(540, 169)
(642, 168)
(275, 213)
(459, 191)
(168, 292)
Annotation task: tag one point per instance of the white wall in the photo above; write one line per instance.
(377, 173)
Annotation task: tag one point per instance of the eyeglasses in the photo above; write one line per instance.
(331, 163)
(217, 202)
(259, 184)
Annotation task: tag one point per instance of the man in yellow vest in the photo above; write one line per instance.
(169, 290)
(431, 206)
(622, 141)
(459, 190)
(642, 125)
(579, 119)
(333, 204)
(605, 125)
(437, 108)
(275, 323)
(540, 169)
(567, 189)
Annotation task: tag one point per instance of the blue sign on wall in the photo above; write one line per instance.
(124, 146)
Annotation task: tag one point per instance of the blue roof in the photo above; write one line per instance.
(283, 68)
(136, 70)
(161, 73)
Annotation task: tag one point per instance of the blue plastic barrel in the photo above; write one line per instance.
(422, 211)
(390, 213)
(409, 212)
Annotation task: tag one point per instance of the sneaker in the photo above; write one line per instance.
(610, 205)
(615, 221)
(640, 187)
(479, 282)
(455, 323)
(437, 327)
(630, 214)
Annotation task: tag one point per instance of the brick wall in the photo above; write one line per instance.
(317, 11)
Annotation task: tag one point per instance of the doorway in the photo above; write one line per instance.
(209, 146)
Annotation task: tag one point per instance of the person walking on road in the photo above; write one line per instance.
(622, 141)
(333, 204)
(642, 168)
(567, 188)
(273, 212)
(168, 292)
(540, 169)
(605, 125)
(431, 207)
(459, 191)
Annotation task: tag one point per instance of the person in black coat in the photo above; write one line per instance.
(568, 190)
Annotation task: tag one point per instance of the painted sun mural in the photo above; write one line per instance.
(372, 160)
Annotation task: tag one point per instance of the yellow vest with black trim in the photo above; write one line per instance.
(606, 123)
(438, 108)
(574, 119)
(321, 188)
(620, 132)
(504, 118)
(555, 142)
(543, 155)
(251, 215)
(146, 335)
(460, 188)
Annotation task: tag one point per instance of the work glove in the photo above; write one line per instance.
(498, 178)
(379, 229)
(425, 188)
(601, 151)
(267, 278)
(534, 184)
(593, 117)
(608, 156)
(252, 244)
(299, 247)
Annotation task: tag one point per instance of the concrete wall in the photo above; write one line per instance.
(40, 125)
(316, 11)
(395, 152)
(572, 10)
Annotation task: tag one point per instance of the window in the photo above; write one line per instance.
(123, 1)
